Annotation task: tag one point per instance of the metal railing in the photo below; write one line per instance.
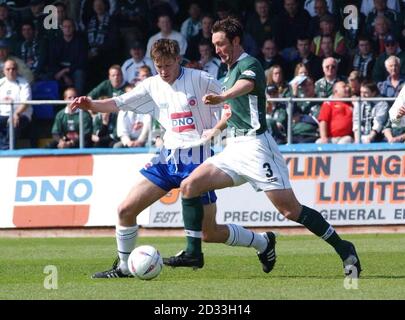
(289, 101)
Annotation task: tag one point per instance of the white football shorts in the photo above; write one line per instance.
(253, 159)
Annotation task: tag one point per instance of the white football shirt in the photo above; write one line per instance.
(178, 107)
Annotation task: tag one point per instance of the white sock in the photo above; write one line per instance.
(126, 238)
(241, 237)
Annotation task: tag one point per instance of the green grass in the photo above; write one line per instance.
(306, 268)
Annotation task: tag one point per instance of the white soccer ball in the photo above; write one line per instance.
(145, 262)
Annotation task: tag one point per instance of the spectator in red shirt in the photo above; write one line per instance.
(335, 117)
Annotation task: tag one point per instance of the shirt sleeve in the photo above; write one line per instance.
(381, 114)
(137, 100)
(25, 93)
(250, 71)
(325, 112)
(399, 101)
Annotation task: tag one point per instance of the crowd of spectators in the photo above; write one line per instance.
(100, 48)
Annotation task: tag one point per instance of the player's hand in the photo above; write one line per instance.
(213, 99)
(209, 134)
(401, 112)
(83, 103)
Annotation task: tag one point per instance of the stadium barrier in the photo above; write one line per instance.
(289, 102)
(350, 184)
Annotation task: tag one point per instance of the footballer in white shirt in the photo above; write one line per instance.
(174, 97)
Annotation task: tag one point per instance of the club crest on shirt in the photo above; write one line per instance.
(192, 102)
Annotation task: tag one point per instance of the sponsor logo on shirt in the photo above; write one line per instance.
(182, 121)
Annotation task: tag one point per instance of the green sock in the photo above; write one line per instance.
(192, 216)
(317, 224)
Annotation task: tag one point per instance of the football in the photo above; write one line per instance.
(145, 262)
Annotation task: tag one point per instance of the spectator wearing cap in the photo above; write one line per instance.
(307, 89)
(363, 60)
(395, 81)
(68, 58)
(392, 48)
(304, 128)
(381, 9)
(23, 70)
(13, 88)
(327, 27)
(130, 68)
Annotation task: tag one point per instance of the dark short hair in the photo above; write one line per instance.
(371, 85)
(231, 26)
(165, 48)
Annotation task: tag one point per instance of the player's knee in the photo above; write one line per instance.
(188, 189)
(124, 212)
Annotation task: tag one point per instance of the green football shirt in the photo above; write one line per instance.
(248, 111)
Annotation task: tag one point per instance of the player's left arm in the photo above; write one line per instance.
(240, 88)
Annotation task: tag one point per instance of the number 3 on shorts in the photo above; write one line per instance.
(269, 172)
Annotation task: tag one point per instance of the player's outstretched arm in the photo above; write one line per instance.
(86, 103)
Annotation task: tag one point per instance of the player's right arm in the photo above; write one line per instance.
(86, 103)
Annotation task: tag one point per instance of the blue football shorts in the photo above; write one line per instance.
(170, 167)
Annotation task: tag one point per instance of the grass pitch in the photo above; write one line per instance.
(306, 268)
